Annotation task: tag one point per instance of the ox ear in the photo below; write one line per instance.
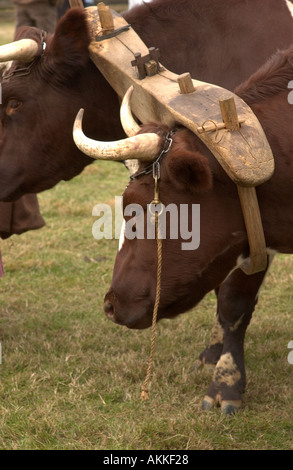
(189, 171)
(69, 45)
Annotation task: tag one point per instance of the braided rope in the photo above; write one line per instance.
(145, 389)
(156, 203)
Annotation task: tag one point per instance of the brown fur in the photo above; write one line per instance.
(270, 79)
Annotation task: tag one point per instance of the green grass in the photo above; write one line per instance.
(70, 379)
(6, 26)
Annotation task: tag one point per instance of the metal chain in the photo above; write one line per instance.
(156, 164)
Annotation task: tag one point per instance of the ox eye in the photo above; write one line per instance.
(12, 106)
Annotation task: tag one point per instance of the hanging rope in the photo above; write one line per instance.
(155, 208)
(145, 390)
(155, 202)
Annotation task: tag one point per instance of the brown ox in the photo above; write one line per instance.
(217, 41)
(191, 175)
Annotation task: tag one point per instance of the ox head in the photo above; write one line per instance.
(50, 78)
(195, 259)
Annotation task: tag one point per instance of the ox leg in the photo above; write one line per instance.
(212, 353)
(237, 298)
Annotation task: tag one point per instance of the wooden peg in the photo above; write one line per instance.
(185, 83)
(105, 18)
(155, 55)
(151, 68)
(147, 64)
(229, 113)
(139, 63)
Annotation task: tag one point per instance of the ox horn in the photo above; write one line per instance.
(141, 147)
(24, 50)
(129, 124)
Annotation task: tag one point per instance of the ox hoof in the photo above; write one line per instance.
(207, 403)
(227, 407)
(230, 408)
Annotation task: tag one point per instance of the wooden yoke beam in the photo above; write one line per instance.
(233, 134)
(245, 154)
(258, 259)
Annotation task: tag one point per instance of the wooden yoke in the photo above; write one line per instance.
(223, 121)
(257, 260)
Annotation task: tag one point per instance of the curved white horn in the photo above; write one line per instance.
(24, 50)
(142, 146)
(129, 124)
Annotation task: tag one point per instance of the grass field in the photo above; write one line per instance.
(6, 29)
(70, 379)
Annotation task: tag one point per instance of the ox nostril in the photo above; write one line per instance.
(109, 309)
